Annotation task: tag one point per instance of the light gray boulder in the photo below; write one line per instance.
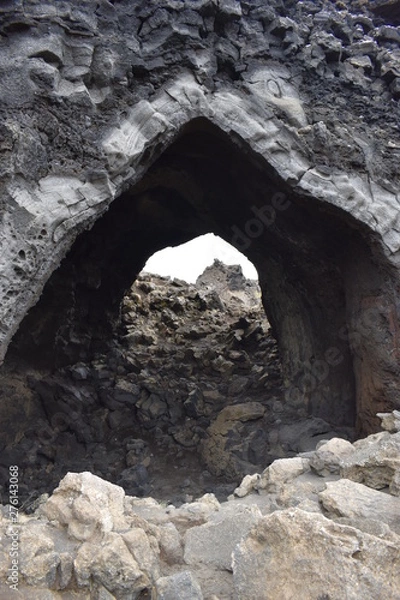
(390, 421)
(111, 564)
(214, 542)
(281, 471)
(328, 455)
(295, 554)
(375, 462)
(345, 498)
(87, 505)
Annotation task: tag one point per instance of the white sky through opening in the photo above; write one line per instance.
(189, 260)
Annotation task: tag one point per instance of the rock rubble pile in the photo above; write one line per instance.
(188, 399)
(305, 527)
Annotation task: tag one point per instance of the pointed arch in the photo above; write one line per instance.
(324, 243)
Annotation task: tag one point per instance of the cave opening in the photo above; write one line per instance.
(318, 271)
(188, 261)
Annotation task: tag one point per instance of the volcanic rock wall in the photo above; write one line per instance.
(129, 126)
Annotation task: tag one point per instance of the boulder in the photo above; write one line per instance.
(182, 586)
(30, 593)
(247, 485)
(328, 455)
(223, 449)
(39, 560)
(346, 498)
(213, 542)
(194, 513)
(144, 550)
(111, 564)
(171, 550)
(375, 462)
(280, 472)
(295, 554)
(395, 484)
(86, 505)
(390, 421)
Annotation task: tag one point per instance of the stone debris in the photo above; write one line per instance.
(214, 542)
(345, 498)
(178, 587)
(390, 421)
(375, 462)
(296, 554)
(161, 399)
(247, 485)
(290, 531)
(274, 477)
(329, 454)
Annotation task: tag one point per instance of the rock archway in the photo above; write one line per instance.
(321, 272)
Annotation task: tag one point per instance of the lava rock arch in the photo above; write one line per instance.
(149, 123)
(321, 272)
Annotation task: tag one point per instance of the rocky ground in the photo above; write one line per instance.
(188, 400)
(324, 524)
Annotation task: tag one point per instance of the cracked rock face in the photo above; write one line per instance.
(129, 126)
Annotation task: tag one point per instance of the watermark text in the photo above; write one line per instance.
(13, 530)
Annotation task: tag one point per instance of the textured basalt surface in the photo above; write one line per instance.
(129, 126)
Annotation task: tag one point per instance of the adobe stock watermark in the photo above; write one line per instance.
(366, 326)
(12, 532)
(264, 217)
(314, 375)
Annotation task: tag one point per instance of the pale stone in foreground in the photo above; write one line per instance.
(375, 462)
(213, 542)
(112, 565)
(390, 421)
(345, 498)
(328, 456)
(247, 485)
(281, 471)
(293, 554)
(87, 505)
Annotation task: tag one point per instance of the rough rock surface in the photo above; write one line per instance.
(292, 554)
(127, 126)
(178, 587)
(307, 536)
(329, 455)
(190, 392)
(346, 498)
(390, 421)
(367, 465)
(212, 543)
